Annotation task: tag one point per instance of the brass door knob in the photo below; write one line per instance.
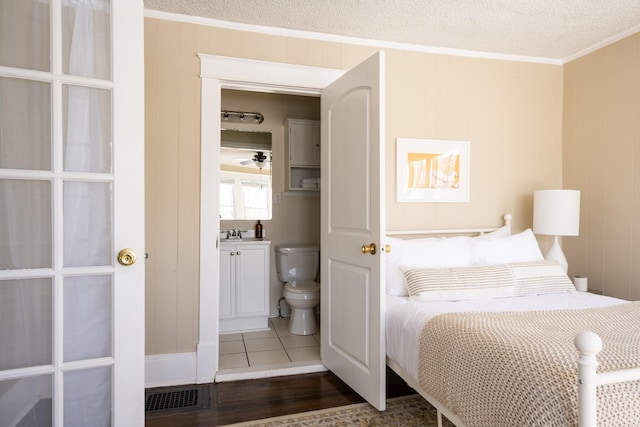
(369, 249)
(127, 257)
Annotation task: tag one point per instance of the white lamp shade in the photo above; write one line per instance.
(556, 212)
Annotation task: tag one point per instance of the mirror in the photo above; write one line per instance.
(245, 175)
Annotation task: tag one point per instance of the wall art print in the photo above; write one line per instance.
(430, 170)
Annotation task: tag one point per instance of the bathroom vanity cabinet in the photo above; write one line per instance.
(302, 143)
(244, 285)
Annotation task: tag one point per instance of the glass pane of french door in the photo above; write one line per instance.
(25, 146)
(56, 213)
(26, 234)
(26, 323)
(30, 22)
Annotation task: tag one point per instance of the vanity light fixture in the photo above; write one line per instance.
(241, 117)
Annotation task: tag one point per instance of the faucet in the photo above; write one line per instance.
(233, 234)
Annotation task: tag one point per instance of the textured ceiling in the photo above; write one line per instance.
(551, 29)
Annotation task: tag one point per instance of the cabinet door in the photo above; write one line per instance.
(251, 281)
(227, 278)
(304, 143)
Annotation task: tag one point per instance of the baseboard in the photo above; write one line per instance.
(170, 369)
(260, 372)
(164, 370)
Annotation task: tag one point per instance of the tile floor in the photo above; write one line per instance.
(264, 348)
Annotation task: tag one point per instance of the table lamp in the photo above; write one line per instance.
(556, 213)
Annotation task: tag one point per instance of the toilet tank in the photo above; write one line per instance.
(297, 262)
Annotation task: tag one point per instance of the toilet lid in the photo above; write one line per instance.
(302, 286)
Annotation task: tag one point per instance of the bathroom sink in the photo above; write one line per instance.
(243, 239)
(239, 236)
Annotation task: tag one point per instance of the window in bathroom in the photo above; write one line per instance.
(246, 196)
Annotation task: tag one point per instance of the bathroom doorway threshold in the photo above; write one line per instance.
(270, 371)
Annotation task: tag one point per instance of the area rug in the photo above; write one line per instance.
(406, 411)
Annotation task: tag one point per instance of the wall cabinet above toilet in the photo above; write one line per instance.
(302, 145)
(244, 286)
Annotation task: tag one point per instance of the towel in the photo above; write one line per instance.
(313, 183)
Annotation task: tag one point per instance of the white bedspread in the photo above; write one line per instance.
(405, 317)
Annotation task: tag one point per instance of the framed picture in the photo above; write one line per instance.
(430, 170)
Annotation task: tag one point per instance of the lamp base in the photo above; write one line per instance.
(555, 254)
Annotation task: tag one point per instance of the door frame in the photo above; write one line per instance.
(217, 73)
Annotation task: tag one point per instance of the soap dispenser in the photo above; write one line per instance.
(259, 230)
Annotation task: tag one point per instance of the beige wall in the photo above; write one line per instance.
(510, 112)
(602, 159)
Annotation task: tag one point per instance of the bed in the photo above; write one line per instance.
(491, 334)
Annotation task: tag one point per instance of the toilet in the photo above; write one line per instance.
(297, 267)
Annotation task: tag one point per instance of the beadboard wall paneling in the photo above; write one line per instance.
(511, 113)
(601, 155)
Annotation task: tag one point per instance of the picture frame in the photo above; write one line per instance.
(432, 170)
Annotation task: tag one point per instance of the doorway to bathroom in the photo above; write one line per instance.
(219, 73)
(352, 123)
(294, 219)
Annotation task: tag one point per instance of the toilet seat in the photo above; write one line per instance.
(302, 286)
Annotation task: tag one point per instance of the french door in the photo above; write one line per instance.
(71, 198)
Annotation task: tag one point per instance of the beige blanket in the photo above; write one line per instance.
(520, 369)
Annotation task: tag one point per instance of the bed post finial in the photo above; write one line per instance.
(507, 221)
(588, 344)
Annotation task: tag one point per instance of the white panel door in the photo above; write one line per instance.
(352, 297)
(71, 196)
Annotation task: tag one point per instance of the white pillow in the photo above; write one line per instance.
(430, 252)
(460, 283)
(437, 252)
(393, 276)
(503, 231)
(521, 247)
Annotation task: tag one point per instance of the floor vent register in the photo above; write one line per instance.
(191, 397)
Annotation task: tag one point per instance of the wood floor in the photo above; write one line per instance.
(238, 401)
